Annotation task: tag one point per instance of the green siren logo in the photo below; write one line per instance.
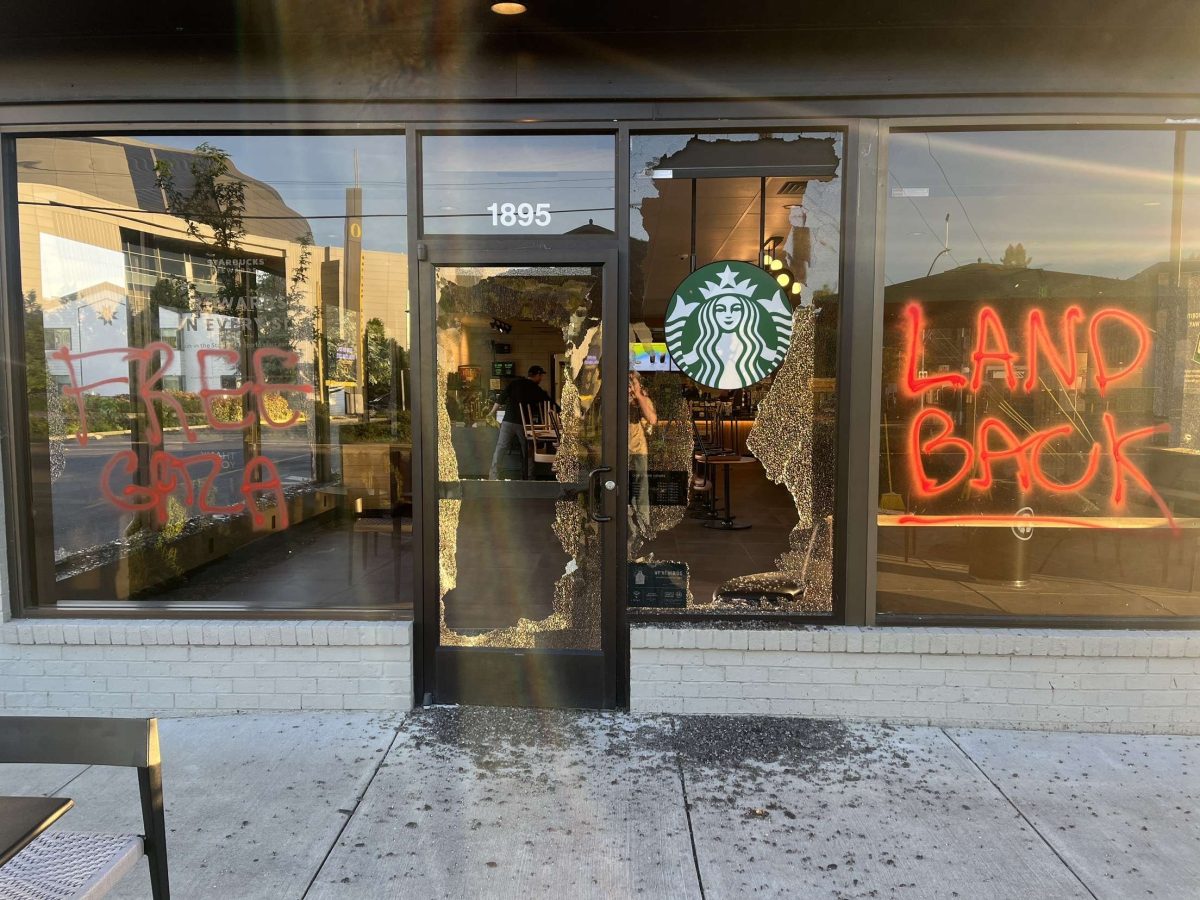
(729, 325)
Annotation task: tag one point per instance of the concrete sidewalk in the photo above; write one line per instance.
(512, 803)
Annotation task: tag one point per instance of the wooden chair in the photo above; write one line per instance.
(67, 864)
(542, 437)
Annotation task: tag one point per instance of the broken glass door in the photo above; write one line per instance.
(521, 486)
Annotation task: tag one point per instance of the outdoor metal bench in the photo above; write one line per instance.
(65, 864)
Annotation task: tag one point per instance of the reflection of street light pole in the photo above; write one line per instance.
(945, 247)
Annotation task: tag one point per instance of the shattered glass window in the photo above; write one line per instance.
(735, 254)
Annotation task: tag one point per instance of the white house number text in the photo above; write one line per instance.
(509, 215)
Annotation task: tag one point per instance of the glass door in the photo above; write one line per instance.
(519, 562)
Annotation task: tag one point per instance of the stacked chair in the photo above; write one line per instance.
(543, 432)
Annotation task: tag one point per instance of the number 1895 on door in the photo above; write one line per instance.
(511, 215)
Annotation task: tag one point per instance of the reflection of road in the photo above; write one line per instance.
(84, 518)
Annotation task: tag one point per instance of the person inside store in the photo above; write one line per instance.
(521, 392)
(642, 416)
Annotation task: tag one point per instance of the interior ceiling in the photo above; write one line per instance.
(727, 227)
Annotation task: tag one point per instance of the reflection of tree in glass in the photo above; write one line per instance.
(214, 210)
(378, 359)
(217, 201)
(284, 318)
(1015, 257)
(37, 373)
(171, 293)
(46, 419)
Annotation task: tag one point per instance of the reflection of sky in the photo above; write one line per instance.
(312, 172)
(574, 174)
(1087, 202)
(70, 266)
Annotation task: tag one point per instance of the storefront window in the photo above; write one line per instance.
(1040, 421)
(216, 338)
(518, 184)
(734, 306)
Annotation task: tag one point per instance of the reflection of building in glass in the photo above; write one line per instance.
(95, 220)
(112, 264)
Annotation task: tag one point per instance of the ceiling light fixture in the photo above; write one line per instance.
(508, 9)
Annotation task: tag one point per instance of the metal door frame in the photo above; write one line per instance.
(532, 251)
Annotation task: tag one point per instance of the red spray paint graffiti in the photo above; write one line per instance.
(166, 472)
(994, 442)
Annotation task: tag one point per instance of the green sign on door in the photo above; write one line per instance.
(729, 325)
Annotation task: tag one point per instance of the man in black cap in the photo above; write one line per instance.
(520, 392)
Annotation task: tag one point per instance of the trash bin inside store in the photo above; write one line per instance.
(1000, 554)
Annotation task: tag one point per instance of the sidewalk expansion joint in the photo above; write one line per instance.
(1020, 812)
(354, 809)
(687, 812)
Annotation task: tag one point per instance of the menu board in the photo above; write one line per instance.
(666, 487)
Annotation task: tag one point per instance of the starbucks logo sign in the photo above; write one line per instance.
(728, 325)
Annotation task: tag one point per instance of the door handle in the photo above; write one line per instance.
(592, 492)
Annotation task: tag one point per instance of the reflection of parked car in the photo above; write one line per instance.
(381, 404)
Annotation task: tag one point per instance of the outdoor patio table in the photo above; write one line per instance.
(24, 818)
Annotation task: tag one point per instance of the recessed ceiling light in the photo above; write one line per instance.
(508, 9)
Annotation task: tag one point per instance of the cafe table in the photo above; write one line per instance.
(726, 522)
(23, 818)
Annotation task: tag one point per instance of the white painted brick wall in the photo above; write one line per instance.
(171, 667)
(1127, 681)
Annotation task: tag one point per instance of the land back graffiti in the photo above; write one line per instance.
(993, 442)
(162, 472)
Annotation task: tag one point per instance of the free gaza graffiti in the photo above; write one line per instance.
(164, 472)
